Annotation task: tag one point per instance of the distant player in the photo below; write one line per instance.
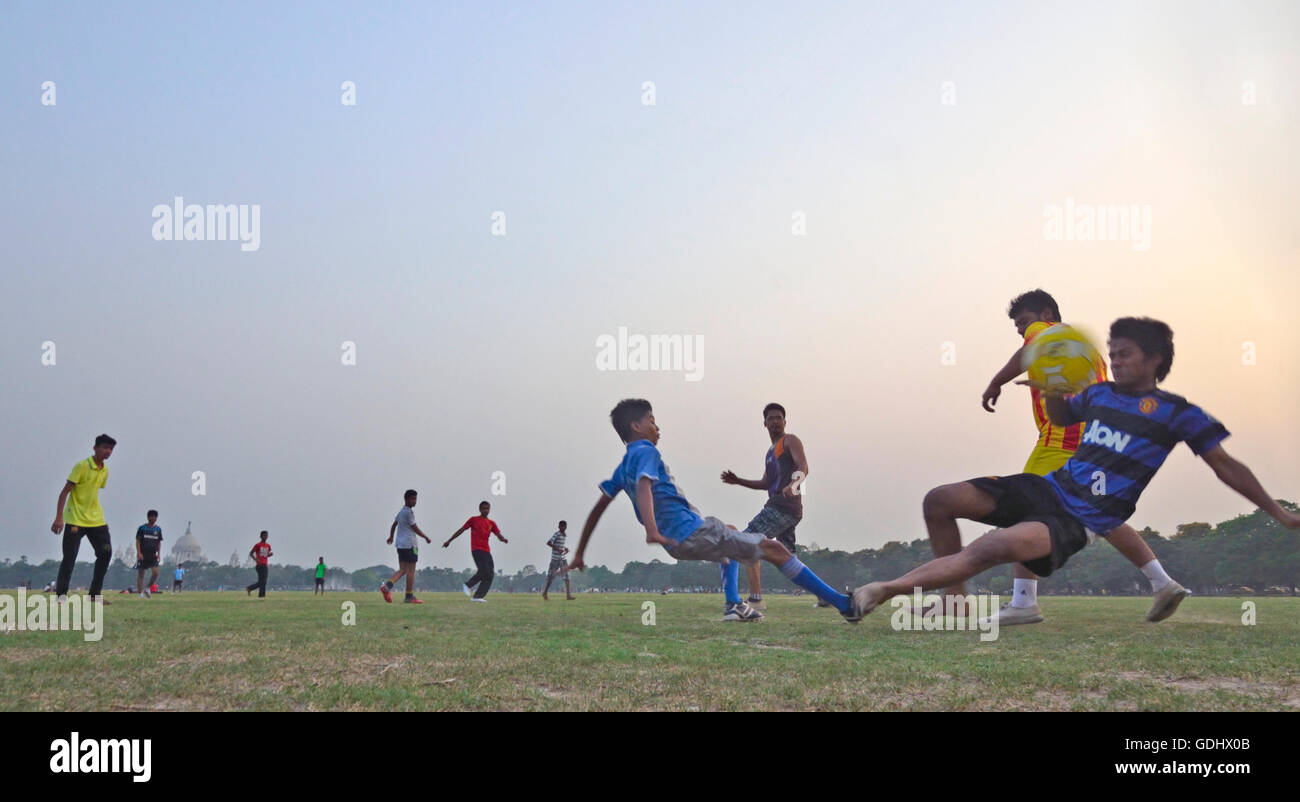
(784, 468)
(320, 577)
(148, 547)
(1130, 426)
(671, 521)
(480, 526)
(178, 578)
(78, 513)
(261, 554)
(405, 531)
(1034, 312)
(558, 565)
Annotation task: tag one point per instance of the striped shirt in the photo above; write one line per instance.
(557, 546)
(1126, 438)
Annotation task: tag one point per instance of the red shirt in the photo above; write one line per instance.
(479, 529)
(261, 551)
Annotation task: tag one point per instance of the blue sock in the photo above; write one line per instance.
(804, 577)
(731, 581)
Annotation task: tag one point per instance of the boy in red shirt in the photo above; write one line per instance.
(260, 553)
(480, 527)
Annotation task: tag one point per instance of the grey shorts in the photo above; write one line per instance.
(775, 523)
(557, 566)
(714, 542)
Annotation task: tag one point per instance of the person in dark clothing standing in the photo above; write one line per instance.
(480, 526)
(261, 552)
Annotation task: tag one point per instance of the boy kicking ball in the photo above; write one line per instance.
(1130, 427)
(405, 530)
(672, 522)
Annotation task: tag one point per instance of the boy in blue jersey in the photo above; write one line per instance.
(671, 521)
(1129, 429)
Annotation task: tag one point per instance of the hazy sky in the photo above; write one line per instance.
(832, 197)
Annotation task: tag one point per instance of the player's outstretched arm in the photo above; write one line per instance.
(645, 502)
(593, 518)
(1008, 372)
(1058, 411)
(1236, 475)
(730, 478)
(455, 535)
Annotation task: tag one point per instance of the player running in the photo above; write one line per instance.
(1130, 426)
(558, 564)
(671, 521)
(480, 527)
(1034, 312)
(405, 530)
(261, 554)
(784, 468)
(148, 547)
(78, 513)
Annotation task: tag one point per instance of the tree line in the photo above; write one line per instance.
(1248, 554)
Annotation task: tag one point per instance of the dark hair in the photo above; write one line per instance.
(1151, 336)
(1034, 301)
(263, 533)
(104, 440)
(485, 503)
(627, 412)
(773, 406)
(564, 523)
(409, 493)
(151, 513)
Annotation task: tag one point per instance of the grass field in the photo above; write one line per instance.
(291, 651)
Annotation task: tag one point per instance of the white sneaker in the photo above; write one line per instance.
(62, 599)
(1166, 601)
(480, 601)
(468, 592)
(1010, 616)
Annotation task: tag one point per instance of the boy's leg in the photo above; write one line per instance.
(410, 579)
(1024, 541)
(486, 569)
(1168, 593)
(730, 570)
(139, 581)
(568, 589)
(754, 572)
(942, 507)
(103, 545)
(71, 545)
(803, 576)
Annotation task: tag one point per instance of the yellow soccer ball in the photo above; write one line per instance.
(1061, 359)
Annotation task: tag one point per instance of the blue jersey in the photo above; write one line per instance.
(674, 515)
(149, 538)
(1126, 439)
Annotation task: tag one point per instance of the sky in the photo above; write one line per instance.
(838, 201)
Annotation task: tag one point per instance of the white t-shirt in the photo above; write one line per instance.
(405, 536)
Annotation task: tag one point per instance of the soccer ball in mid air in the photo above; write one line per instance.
(1061, 359)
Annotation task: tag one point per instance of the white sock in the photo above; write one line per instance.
(1156, 573)
(1024, 592)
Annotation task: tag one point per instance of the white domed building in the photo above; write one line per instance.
(187, 548)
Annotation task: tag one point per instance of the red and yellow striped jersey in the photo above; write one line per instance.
(1049, 434)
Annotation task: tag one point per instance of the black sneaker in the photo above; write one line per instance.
(739, 611)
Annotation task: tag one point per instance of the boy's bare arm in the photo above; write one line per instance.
(1008, 372)
(57, 526)
(645, 503)
(1236, 475)
(593, 518)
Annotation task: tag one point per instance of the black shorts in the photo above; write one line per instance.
(320, 582)
(149, 561)
(405, 556)
(1029, 497)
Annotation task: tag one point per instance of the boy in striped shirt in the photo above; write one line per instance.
(558, 564)
(1129, 428)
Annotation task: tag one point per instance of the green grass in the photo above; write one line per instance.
(290, 651)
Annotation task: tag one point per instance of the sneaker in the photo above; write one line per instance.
(412, 600)
(1009, 616)
(481, 601)
(141, 595)
(866, 598)
(62, 599)
(1166, 601)
(740, 611)
(756, 603)
(147, 594)
(468, 592)
(383, 591)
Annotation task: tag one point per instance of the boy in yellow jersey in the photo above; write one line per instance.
(79, 514)
(1033, 312)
